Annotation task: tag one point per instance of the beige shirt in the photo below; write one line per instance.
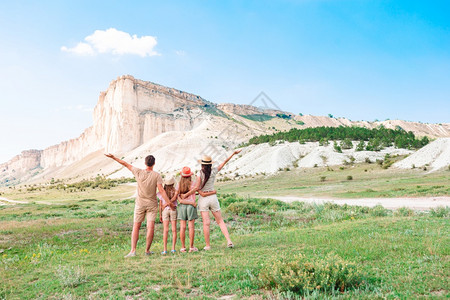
(146, 190)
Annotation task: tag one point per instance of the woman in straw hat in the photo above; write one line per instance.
(205, 184)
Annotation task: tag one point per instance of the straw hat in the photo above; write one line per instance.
(186, 172)
(169, 181)
(206, 160)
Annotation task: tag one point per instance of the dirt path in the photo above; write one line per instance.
(421, 203)
(10, 201)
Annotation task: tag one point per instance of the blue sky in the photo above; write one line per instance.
(363, 60)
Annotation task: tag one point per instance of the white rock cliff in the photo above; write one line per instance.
(131, 116)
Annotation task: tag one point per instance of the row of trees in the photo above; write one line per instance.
(376, 139)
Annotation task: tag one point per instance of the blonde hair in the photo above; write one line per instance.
(185, 185)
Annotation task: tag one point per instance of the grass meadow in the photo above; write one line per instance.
(367, 181)
(73, 248)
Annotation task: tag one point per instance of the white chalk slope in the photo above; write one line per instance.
(435, 156)
(264, 158)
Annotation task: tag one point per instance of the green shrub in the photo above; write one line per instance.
(346, 144)
(378, 211)
(360, 146)
(303, 275)
(404, 212)
(374, 145)
(323, 142)
(244, 207)
(440, 212)
(349, 177)
(70, 276)
(336, 147)
(322, 178)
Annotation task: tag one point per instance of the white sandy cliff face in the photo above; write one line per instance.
(264, 158)
(135, 118)
(435, 156)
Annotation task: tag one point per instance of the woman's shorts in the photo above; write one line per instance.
(210, 203)
(187, 212)
(169, 215)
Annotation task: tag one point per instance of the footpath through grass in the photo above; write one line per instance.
(283, 251)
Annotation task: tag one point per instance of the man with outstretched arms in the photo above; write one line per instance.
(146, 202)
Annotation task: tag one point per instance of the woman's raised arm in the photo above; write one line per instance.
(228, 159)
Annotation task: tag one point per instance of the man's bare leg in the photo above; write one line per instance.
(150, 232)
(134, 238)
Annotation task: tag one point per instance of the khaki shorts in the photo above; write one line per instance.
(210, 203)
(169, 215)
(141, 212)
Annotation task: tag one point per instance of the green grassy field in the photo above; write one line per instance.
(74, 249)
(368, 180)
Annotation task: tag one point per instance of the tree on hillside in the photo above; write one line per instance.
(383, 137)
(336, 147)
(361, 146)
(346, 144)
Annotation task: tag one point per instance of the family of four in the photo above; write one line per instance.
(177, 202)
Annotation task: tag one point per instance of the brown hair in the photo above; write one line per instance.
(185, 185)
(170, 190)
(206, 170)
(150, 161)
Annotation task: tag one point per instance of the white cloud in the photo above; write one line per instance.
(79, 49)
(115, 42)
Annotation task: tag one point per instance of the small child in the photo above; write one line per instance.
(168, 213)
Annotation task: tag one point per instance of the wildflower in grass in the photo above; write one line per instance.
(5, 255)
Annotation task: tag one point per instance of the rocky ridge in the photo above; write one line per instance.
(134, 118)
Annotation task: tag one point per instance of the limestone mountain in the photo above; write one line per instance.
(134, 118)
